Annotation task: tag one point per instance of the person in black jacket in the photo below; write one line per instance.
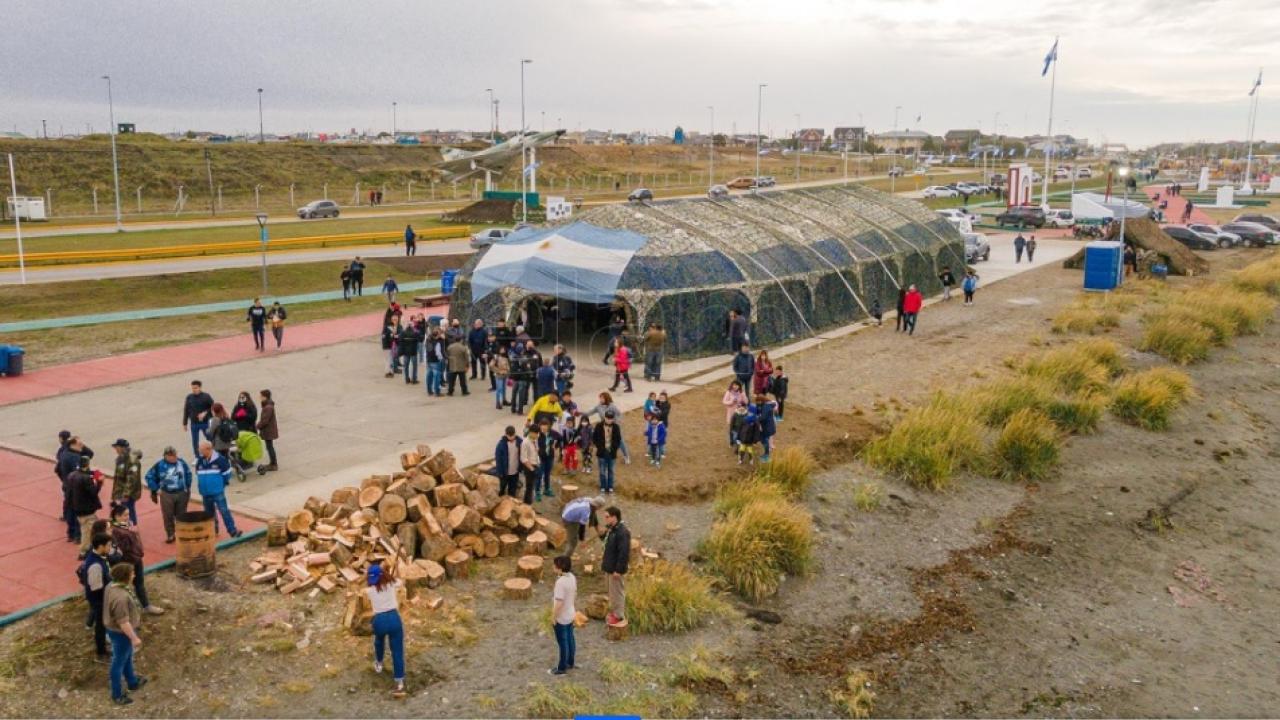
(197, 411)
(70, 450)
(607, 439)
(257, 319)
(477, 339)
(778, 389)
(617, 555)
(83, 491)
(744, 367)
(407, 347)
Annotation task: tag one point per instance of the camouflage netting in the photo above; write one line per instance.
(796, 261)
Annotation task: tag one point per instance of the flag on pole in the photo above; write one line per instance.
(1256, 83)
(952, 158)
(1050, 58)
(528, 169)
(918, 119)
(973, 155)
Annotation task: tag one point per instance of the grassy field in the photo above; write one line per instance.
(1222, 215)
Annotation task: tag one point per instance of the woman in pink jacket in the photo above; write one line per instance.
(764, 370)
(733, 399)
(621, 364)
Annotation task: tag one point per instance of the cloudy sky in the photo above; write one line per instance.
(1134, 71)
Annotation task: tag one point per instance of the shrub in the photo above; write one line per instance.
(1148, 399)
(1085, 318)
(1027, 448)
(866, 496)
(698, 668)
(737, 495)
(1071, 369)
(561, 700)
(669, 597)
(1104, 352)
(998, 401)
(931, 442)
(1262, 276)
(1078, 414)
(790, 468)
(856, 697)
(753, 548)
(1246, 313)
(1176, 340)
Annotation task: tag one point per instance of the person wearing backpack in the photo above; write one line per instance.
(969, 285)
(95, 573)
(223, 431)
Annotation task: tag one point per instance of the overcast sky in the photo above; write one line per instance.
(1135, 71)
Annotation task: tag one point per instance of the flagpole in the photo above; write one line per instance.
(1053, 85)
(1247, 188)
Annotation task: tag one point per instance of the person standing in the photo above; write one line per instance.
(196, 412)
(767, 415)
(948, 279)
(388, 628)
(578, 515)
(357, 277)
(499, 370)
(607, 437)
(563, 613)
(268, 430)
(733, 399)
(95, 575)
(738, 329)
(1130, 260)
(655, 435)
(345, 276)
(546, 459)
(621, 365)
(603, 407)
(877, 311)
(126, 481)
(778, 386)
(121, 617)
(969, 285)
(901, 319)
(129, 543)
(410, 241)
(477, 339)
(1031, 249)
(655, 340)
(1186, 210)
(407, 346)
(617, 555)
(458, 360)
(762, 372)
(530, 463)
(390, 334)
(244, 413)
(83, 488)
(521, 375)
(257, 319)
(1019, 244)
(70, 450)
(911, 305)
(276, 315)
(506, 462)
(616, 326)
(213, 472)
(744, 366)
(390, 288)
(564, 368)
(169, 481)
(436, 362)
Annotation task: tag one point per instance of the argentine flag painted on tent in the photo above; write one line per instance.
(578, 261)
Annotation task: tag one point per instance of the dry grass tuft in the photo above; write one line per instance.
(1027, 448)
(930, 443)
(1072, 369)
(1176, 339)
(1085, 318)
(1148, 399)
(755, 547)
(867, 496)
(856, 697)
(669, 597)
(791, 468)
(1261, 276)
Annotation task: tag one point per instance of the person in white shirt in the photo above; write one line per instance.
(386, 622)
(563, 613)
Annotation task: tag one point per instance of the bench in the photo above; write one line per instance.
(426, 301)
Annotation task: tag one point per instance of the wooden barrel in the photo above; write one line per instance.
(196, 544)
(277, 532)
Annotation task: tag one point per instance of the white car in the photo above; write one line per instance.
(1059, 219)
(976, 247)
(937, 191)
(1083, 173)
(1062, 174)
(485, 238)
(971, 188)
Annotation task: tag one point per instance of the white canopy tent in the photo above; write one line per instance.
(1093, 206)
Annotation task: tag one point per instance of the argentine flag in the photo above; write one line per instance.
(1050, 58)
(1256, 83)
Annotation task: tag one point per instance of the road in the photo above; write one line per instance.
(140, 268)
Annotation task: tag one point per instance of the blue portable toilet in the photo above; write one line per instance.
(448, 279)
(1103, 265)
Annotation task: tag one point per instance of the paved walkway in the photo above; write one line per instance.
(37, 564)
(1177, 204)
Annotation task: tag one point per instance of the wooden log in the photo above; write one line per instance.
(317, 558)
(420, 481)
(339, 555)
(300, 522)
(616, 632)
(346, 496)
(471, 543)
(491, 545)
(508, 544)
(535, 543)
(434, 570)
(381, 481)
(327, 584)
(441, 514)
(407, 534)
(597, 606)
(452, 476)
(277, 532)
(527, 518)
(423, 450)
(449, 495)
(418, 507)
(413, 574)
(504, 512)
(371, 495)
(409, 459)
(530, 567)
(439, 462)
(557, 536)
(265, 576)
(464, 519)
(568, 492)
(428, 525)
(479, 502)
(488, 484)
(392, 509)
(457, 564)
(315, 505)
(517, 589)
(402, 488)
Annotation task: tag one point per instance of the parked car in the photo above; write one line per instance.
(485, 238)
(1267, 220)
(1062, 174)
(717, 192)
(1059, 218)
(1221, 237)
(318, 209)
(742, 183)
(766, 181)
(998, 179)
(1253, 234)
(895, 171)
(976, 247)
(920, 170)
(1022, 216)
(937, 191)
(1083, 173)
(640, 194)
(957, 213)
(1190, 238)
(970, 188)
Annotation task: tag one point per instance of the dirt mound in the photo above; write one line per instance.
(425, 265)
(1153, 245)
(484, 211)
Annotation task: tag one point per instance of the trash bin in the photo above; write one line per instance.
(447, 280)
(4, 359)
(197, 544)
(11, 360)
(1159, 271)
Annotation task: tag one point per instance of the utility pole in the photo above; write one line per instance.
(44, 129)
(755, 186)
(115, 163)
(524, 150)
(208, 167)
(711, 149)
(393, 120)
(492, 105)
(261, 135)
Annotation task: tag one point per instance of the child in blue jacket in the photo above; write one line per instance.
(656, 435)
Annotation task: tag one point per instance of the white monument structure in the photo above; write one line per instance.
(1203, 184)
(1021, 177)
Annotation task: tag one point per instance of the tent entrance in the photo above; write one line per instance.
(582, 327)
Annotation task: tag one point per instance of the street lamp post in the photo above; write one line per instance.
(490, 91)
(1124, 180)
(755, 186)
(711, 149)
(115, 164)
(797, 147)
(262, 137)
(524, 150)
(393, 121)
(262, 229)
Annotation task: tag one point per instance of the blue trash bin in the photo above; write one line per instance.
(4, 359)
(11, 360)
(447, 280)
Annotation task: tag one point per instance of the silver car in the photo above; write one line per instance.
(1217, 235)
(485, 238)
(717, 192)
(318, 209)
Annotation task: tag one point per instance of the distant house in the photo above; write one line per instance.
(958, 141)
(810, 139)
(849, 138)
(902, 141)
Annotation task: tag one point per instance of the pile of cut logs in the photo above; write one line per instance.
(424, 524)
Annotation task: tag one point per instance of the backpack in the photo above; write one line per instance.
(227, 431)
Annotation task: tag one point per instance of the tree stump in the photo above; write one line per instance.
(457, 564)
(557, 536)
(436, 547)
(508, 544)
(491, 545)
(517, 589)
(597, 606)
(413, 574)
(530, 567)
(568, 492)
(392, 509)
(535, 543)
(617, 632)
(277, 532)
(371, 495)
(300, 522)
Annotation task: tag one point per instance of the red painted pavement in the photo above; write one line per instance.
(36, 562)
(1177, 204)
(118, 369)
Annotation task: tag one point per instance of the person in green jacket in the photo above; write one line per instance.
(126, 486)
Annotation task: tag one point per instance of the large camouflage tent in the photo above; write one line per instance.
(796, 262)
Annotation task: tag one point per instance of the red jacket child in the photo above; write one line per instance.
(622, 359)
(912, 302)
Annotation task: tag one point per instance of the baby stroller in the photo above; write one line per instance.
(244, 452)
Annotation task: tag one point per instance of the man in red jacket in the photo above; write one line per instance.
(911, 308)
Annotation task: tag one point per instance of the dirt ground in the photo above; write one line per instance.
(993, 599)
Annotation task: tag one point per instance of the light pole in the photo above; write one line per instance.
(755, 186)
(115, 163)
(393, 121)
(262, 229)
(524, 150)
(711, 149)
(797, 147)
(261, 135)
(490, 91)
(1124, 180)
